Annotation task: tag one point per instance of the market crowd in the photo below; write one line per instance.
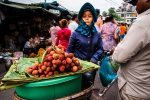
(87, 35)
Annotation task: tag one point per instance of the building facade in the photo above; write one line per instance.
(127, 12)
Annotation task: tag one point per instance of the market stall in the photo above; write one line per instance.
(54, 75)
(21, 20)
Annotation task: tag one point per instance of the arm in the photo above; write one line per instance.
(99, 52)
(57, 38)
(27, 44)
(116, 34)
(69, 34)
(134, 41)
(72, 43)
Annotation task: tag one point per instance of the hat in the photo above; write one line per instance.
(87, 6)
(133, 2)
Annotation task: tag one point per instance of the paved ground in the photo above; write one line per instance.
(111, 94)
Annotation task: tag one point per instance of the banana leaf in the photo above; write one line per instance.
(17, 75)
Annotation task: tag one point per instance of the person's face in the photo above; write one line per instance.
(37, 35)
(87, 17)
(141, 6)
(76, 19)
(31, 39)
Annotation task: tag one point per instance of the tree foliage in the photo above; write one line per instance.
(112, 11)
(104, 13)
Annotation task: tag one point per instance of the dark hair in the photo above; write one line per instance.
(29, 37)
(97, 11)
(74, 16)
(54, 23)
(63, 23)
(68, 17)
(109, 18)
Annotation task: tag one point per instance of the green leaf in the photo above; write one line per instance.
(13, 75)
(26, 62)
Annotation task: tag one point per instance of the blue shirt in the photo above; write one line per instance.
(28, 45)
(78, 44)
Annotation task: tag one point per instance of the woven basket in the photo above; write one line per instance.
(83, 95)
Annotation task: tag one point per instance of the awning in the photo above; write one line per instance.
(64, 12)
(25, 10)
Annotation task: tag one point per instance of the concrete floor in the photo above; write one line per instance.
(111, 94)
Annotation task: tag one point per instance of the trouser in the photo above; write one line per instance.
(89, 76)
(124, 96)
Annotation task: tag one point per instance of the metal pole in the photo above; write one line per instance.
(45, 0)
(124, 13)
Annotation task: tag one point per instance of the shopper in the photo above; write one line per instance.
(123, 30)
(133, 53)
(85, 41)
(37, 39)
(53, 31)
(73, 24)
(109, 32)
(63, 34)
(99, 21)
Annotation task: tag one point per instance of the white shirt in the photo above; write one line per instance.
(72, 26)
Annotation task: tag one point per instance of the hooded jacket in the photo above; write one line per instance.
(79, 44)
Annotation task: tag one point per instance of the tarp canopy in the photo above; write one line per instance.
(64, 12)
(14, 9)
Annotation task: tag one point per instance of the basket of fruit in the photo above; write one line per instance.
(54, 65)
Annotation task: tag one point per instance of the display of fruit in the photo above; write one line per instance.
(56, 61)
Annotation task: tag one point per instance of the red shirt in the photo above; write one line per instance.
(63, 37)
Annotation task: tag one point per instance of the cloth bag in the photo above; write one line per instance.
(106, 73)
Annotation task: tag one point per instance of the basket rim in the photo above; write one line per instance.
(79, 94)
(73, 96)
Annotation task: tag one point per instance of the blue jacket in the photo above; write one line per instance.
(78, 44)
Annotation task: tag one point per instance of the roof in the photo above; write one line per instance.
(23, 9)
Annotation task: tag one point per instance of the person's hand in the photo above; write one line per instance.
(113, 49)
(93, 60)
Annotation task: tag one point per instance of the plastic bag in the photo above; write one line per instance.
(114, 66)
(106, 73)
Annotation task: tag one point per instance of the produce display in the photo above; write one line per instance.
(55, 61)
(40, 53)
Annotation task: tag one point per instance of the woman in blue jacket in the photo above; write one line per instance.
(85, 42)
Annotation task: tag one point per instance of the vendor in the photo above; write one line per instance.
(37, 39)
(30, 46)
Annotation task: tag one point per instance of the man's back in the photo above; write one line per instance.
(134, 55)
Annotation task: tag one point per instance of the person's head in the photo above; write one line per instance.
(109, 18)
(122, 24)
(63, 23)
(88, 14)
(54, 23)
(141, 5)
(37, 35)
(30, 38)
(98, 12)
(75, 17)
(69, 18)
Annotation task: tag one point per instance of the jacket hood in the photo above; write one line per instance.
(87, 6)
